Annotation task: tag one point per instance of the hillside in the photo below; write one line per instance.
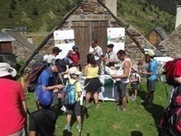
(43, 15)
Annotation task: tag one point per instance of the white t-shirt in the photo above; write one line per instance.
(96, 51)
(121, 71)
(112, 56)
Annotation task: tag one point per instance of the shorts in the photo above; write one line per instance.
(74, 109)
(151, 84)
(134, 85)
(121, 89)
(92, 85)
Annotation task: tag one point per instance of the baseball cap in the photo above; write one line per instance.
(45, 98)
(56, 49)
(110, 45)
(75, 47)
(150, 53)
(61, 65)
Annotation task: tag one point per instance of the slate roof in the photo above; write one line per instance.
(5, 37)
(171, 46)
(144, 43)
(22, 40)
(161, 32)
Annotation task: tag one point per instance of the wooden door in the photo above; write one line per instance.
(85, 32)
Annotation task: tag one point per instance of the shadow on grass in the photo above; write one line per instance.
(66, 133)
(155, 110)
(136, 133)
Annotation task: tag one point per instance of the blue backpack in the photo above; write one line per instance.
(69, 94)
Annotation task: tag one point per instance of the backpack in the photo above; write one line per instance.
(169, 69)
(32, 77)
(69, 94)
(170, 124)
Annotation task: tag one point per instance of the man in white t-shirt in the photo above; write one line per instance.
(122, 78)
(111, 56)
(50, 59)
(96, 50)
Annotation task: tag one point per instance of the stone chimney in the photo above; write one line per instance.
(112, 5)
(178, 15)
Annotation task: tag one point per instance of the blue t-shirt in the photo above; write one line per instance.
(46, 78)
(152, 67)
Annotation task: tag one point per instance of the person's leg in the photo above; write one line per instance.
(68, 120)
(151, 89)
(136, 93)
(123, 95)
(119, 102)
(124, 103)
(88, 96)
(96, 97)
(77, 111)
(79, 121)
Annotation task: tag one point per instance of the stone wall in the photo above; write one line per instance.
(20, 51)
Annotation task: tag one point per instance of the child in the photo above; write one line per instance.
(76, 108)
(43, 118)
(135, 80)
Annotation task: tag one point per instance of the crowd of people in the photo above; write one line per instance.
(52, 80)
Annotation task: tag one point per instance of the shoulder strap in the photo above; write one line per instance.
(75, 82)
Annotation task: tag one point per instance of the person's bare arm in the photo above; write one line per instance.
(32, 133)
(126, 67)
(51, 88)
(177, 79)
(24, 110)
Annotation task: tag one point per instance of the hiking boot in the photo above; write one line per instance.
(88, 105)
(133, 98)
(67, 127)
(121, 108)
(97, 106)
(79, 128)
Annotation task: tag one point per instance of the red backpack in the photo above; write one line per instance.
(169, 69)
(170, 124)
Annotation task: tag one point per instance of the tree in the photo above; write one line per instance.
(35, 11)
(10, 15)
(12, 6)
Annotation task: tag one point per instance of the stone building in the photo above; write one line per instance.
(90, 20)
(20, 46)
(156, 36)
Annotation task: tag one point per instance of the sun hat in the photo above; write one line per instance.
(150, 53)
(45, 98)
(6, 69)
(74, 70)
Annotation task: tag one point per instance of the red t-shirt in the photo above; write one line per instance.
(75, 58)
(11, 96)
(177, 69)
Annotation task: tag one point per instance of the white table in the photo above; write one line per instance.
(108, 89)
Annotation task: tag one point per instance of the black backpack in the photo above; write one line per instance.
(170, 124)
(32, 77)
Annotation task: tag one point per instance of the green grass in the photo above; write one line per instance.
(106, 121)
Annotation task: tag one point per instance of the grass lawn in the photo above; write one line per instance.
(106, 121)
